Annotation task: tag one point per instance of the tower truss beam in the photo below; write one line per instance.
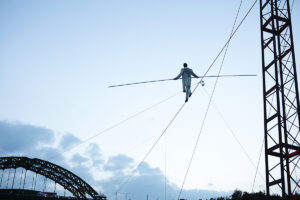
(281, 99)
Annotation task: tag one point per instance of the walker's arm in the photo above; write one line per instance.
(179, 75)
(195, 75)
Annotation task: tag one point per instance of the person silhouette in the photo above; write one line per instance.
(186, 74)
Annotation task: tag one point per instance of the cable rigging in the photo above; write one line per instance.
(170, 79)
(151, 148)
(177, 113)
(262, 145)
(115, 125)
(197, 84)
(205, 116)
(163, 132)
(234, 136)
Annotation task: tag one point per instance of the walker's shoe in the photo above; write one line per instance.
(190, 95)
(184, 91)
(186, 100)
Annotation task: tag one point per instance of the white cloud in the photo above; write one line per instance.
(68, 141)
(23, 139)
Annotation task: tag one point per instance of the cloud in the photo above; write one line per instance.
(22, 138)
(50, 154)
(78, 159)
(150, 181)
(145, 170)
(84, 173)
(29, 140)
(68, 141)
(94, 152)
(118, 163)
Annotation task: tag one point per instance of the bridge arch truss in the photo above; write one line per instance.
(71, 182)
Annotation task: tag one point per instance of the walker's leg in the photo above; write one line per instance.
(187, 94)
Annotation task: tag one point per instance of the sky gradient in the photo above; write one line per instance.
(58, 57)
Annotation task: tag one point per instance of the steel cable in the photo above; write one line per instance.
(121, 122)
(214, 88)
(152, 147)
(114, 126)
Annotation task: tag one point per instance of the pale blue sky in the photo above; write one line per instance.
(58, 57)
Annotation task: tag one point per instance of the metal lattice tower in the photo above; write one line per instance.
(281, 99)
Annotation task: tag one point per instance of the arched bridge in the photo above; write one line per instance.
(71, 182)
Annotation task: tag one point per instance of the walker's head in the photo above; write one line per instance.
(185, 65)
